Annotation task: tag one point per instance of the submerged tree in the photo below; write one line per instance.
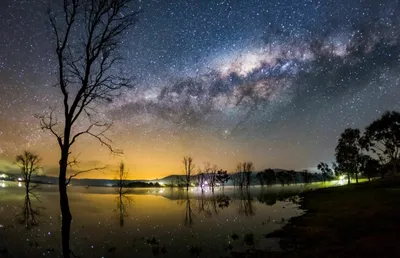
(122, 176)
(29, 165)
(348, 153)
(88, 37)
(261, 178)
(382, 137)
(222, 177)
(248, 168)
(188, 168)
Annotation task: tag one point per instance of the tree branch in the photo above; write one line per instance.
(83, 171)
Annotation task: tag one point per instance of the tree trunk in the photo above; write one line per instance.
(357, 178)
(348, 177)
(64, 203)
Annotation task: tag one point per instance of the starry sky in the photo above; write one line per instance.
(274, 82)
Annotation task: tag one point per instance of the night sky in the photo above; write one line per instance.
(273, 82)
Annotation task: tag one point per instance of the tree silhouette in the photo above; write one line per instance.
(222, 178)
(261, 178)
(188, 168)
(248, 168)
(326, 171)
(382, 137)
(370, 167)
(87, 42)
(307, 176)
(123, 198)
(29, 214)
(29, 165)
(212, 176)
(348, 152)
(122, 176)
(270, 177)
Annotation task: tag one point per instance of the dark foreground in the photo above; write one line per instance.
(348, 221)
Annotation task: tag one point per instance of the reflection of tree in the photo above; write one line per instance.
(123, 201)
(188, 211)
(267, 198)
(29, 214)
(207, 205)
(245, 205)
(203, 206)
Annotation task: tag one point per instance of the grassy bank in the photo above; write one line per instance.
(348, 221)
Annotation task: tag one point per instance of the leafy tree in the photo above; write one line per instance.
(326, 171)
(307, 176)
(382, 137)
(348, 153)
(222, 177)
(370, 167)
(270, 177)
(280, 176)
(260, 176)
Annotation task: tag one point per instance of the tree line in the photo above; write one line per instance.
(374, 153)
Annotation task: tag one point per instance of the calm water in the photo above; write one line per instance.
(148, 222)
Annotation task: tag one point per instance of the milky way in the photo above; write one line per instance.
(274, 82)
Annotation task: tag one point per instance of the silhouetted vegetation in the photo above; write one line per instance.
(326, 171)
(29, 215)
(28, 162)
(382, 138)
(85, 78)
(378, 149)
(348, 153)
(222, 177)
(245, 203)
(122, 190)
(139, 184)
(188, 169)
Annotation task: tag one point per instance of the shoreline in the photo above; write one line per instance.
(345, 221)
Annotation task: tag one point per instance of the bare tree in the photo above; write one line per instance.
(29, 165)
(248, 168)
(201, 178)
(188, 170)
(123, 198)
(213, 177)
(88, 37)
(122, 174)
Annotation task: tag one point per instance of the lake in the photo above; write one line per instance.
(145, 223)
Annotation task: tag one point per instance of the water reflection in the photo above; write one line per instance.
(245, 203)
(29, 214)
(181, 222)
(189, 213)
(123, 202)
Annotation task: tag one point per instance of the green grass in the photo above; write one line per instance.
(347, 221)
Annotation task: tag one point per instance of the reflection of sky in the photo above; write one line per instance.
(161, 216)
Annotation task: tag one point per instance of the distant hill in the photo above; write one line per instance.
(171, 179)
